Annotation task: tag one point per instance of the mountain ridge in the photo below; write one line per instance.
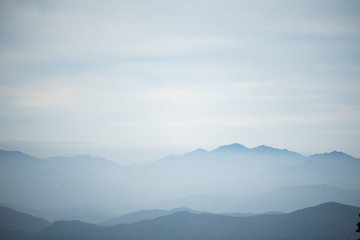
(145, 215)
(234, 147)
(12, 220)
(317, 222)
(70, 182)
(292, 198)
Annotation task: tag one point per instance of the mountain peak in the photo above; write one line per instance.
(181, 209)
(339, 154)
(267, 149)
(232, 148)
(196, 152)
(15, 155)
(333, 155)
(199, 150)
(263, 149)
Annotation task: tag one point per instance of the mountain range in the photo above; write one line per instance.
(231, 178)
(328, 221)
(284, 199)
(145, 215)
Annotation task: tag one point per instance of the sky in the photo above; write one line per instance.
(134, 81)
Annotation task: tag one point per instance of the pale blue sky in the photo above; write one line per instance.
(136, 80)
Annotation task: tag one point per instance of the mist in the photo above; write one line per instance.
(228, 176)
(179, 119)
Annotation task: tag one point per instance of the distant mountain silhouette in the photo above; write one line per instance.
(235, 147)
(136, 216)
(334, 155)
(291, 198)
(274, 151)
(328, 221)
(70, 230)
(230, 170)
(155, 213)
(199, 152)
(18, 225)
(15, 156)
(84, 214)
(145, 215)
(58, 182)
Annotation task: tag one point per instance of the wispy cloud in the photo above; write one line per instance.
(175, 72)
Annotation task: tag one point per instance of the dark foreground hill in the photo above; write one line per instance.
(18, 225)
(326, 221)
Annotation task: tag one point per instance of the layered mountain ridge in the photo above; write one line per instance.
(230, 170)
(326, 221)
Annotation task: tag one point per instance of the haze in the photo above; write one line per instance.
(133, 81)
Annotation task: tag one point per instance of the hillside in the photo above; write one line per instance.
(18, 225)
(11, 220)
(328, 221)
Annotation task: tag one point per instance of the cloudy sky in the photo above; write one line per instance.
(137, 80)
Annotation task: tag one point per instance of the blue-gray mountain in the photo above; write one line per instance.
(89, 214)
(230, 170)
(328, 221)
(19, 225)
(155, 213)
(145, 215)
(285, 199)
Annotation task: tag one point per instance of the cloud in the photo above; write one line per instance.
(165, 73)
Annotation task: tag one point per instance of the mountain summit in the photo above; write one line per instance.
(235, 147)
